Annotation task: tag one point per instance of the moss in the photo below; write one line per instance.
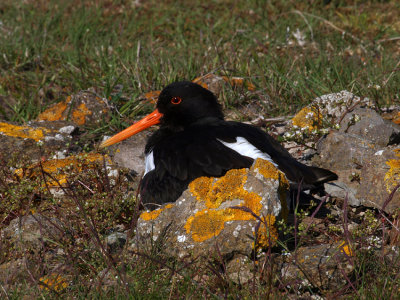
(25, 132)
(152, 215)
(392, 177)
(308, 117)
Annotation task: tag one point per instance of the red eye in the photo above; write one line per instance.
(176, 100)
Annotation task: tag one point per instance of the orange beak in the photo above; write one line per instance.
(146, 122)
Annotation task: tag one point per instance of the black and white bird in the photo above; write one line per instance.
(194, 140)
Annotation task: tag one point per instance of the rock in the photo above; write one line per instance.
(327, 110)
(322, 266)
(130, 152)
(83, 108)
(340, 190)
(367, 172)
(379, 176)
(240, 269)
(31, 231)
(368, 125)
(116, 240)
(62, 169)
(219, 212)
(34, 140)
(13, 272)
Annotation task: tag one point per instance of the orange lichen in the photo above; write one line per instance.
(206, 224)
(239, 81)
(79, 114)
(392, 177)
(210, 221)
(267, 234)
(57, 167)
(54, 282)
(345, 248)
(396, 119)
(152, 96)
(25, 132)
(152, 215)
(54, 113)
(308, 117)
(268, 170)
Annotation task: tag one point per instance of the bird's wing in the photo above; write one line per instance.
(196, 153)
(294, 170)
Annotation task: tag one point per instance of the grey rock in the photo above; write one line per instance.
(323, 266)
(369, 125)
(367, 172)
(340, 190)
(240, 269)
(116, 240)
(31, 231)
(203, 222)
(130, 153)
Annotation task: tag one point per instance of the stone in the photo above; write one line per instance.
(367, 172)
(240, 269)
(130, 152)
(116, 240)
(83, 108)
(369, 125)
(35, 139)
(325, 111)
(322, 266)
(225, 213)
(31, 231)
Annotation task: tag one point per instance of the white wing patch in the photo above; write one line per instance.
(243, 147)
(149, 163)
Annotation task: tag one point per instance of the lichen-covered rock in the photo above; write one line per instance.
(367, 172)
(83, 108)
(35, 139)
(323, 266)
(326, 110)
(235, 213)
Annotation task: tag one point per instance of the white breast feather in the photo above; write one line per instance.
(149, 163)
(245, 148)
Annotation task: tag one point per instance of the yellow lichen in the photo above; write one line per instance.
(54, 282)
(54, 113)
(152, 96)
(345, 248)
(267, 234)
(79, 114)
(57, 167)
(210, 221)
(206, 224)
(25, 132)
(152, 215)
(239, 82)
(392, 177)
(308, 117)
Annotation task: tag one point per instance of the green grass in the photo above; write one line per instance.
(51, 49)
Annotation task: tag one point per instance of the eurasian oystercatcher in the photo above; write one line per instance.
(194, 140)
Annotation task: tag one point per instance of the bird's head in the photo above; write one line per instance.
(179, 104)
